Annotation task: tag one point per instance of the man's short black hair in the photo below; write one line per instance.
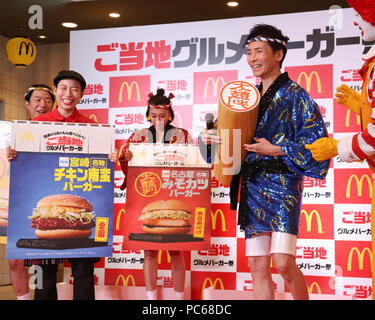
(70, 74)
(30, 92)
(268, 31)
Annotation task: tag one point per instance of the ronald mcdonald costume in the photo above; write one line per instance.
(360, 146)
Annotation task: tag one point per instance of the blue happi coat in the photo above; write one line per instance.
(271, 194)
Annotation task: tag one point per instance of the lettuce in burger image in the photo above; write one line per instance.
(63, 216)
(166, 217)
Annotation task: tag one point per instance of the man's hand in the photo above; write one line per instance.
(10, 153)
(323, 149)
(210, 136)
(264, 147)
(349, 98)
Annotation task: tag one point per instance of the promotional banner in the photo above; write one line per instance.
(193, 61)
(169, 199)
(4, 179)
(61, 188)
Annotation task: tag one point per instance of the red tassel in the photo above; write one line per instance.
(171, 96)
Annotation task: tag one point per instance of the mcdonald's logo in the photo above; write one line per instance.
(214, 216)
(93, 117)
(359, 183)
(118, 219)
(129, 89)
(208, 281)
(28, 136)
(160, 256)
(308, 79)
(317, 79)
(214, 84)
(360, 256)
(344, 120)
(207, 85)
(27, 46)
(309, 218)
(125, 281)
(347, 118)
(312, 286)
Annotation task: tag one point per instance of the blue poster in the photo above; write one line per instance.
(60, 206)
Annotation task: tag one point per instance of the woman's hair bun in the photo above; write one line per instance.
(160, 92)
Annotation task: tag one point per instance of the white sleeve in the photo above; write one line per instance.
(345, 150)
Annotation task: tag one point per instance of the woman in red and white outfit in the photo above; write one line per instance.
(160, 114)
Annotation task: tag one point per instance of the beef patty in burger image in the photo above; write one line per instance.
(166, 217)
(63, 216)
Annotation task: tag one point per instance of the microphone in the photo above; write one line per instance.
(209, 118)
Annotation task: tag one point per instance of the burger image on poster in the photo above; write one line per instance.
(63, 216)
(166, 217)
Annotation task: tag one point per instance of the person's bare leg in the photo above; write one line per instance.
(20, 278)
(150, 271)
(292, 275)
(262, 279)
(178, 273)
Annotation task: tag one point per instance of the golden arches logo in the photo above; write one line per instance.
(27, 45)
(360, 256)
(125, 282)
(308, 79)
(215, 86)
(347, 118)
(214, 220)
(359, 183)
(213, 284)
(29, 136)
(309, 217)
(314, 285)
(118, 219)
(129, 89)
(160, 256)
(93, 117)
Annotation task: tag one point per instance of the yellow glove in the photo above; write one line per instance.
(323, 149)
(349, 98)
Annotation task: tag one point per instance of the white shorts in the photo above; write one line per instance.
(271, 242)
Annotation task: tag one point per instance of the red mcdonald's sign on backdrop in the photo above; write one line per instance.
(129, 91)
(98, 115)
(223, 220)
(124, 277)
(354, 258)
(345, 120)
(317, 80)
(317, 221)
(217, 280)
(353, 186)
(207, 85)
